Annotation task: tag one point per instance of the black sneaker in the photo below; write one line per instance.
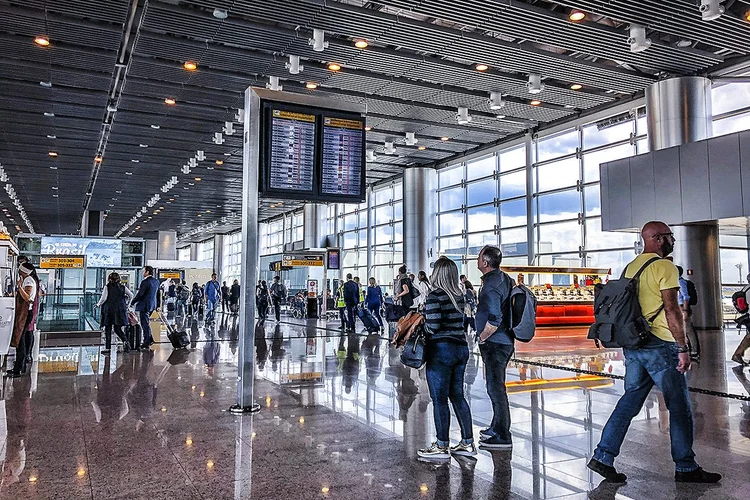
(697, 476)
(494, 443)
(607, 471)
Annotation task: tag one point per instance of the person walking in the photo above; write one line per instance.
(683, 299)
(183, 296)
(278, 295)
(262, 301)
(423, 285)
(470, 299)
(374, 301)
(662, 360)
(341, 306)
(446, 355)
(402, 291)
(744, 345)
(495, 344)
(145, 303)
(213, 296)
(234, 297)
(224, 297)
(351, 299)
(27, 307)
(196, 299)
(114, 308)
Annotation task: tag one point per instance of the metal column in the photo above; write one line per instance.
(167, 249)
(530, 230)
(678, 111)
(249, 258)
(370, 236)
(314, 225)
(219, 255)
(420, 203)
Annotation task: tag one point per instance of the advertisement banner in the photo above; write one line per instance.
(100, 252)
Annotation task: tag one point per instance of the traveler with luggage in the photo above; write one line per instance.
(351, 299)
(196, 300)
(145, 303)
(740, 301)
(404, 292)
(224, 297)
(27, 308)
(652, 334)
(687, 297)
(183, 296)
(213, 296)
(278, 296)
(495, 344)
(114, 309)
(234, 297)
(423, 285)
(374, 301)
(470, 309)
(446, 355)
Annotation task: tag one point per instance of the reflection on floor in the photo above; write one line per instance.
(341, 418)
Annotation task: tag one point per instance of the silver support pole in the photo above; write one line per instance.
(530, 232)
(249, 259)
(420, 202)
(369, 235)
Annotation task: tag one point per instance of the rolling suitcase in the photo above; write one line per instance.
(133, 333)
(368, 319)
(179, 340)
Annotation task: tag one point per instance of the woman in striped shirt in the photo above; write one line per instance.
(446, 355)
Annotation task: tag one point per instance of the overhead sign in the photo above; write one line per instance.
(302, 261)
(292, 151)
(170, 275)
(61, 262)
(101, 252)
(333, 256)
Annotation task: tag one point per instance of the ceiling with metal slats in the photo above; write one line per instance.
(103, 87)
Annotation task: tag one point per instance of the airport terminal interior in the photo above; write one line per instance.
(230, 163)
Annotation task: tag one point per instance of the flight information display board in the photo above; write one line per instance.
(312, 154)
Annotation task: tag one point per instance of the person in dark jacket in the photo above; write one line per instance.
(351, 299)
(224, 297)
(234, 296)
(374, 300)
(446, 355)
(114, 303)
(145, 303)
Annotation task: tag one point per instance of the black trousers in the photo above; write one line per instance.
(276, 307)
(108, 335)
(24, 347)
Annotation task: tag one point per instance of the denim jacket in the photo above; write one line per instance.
(493, 306)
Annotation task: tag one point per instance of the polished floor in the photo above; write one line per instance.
(342, 418)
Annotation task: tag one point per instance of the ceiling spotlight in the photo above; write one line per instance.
(334, 67)
(389, 149)
(143, 145)
(535, 84)
(481, 67)
(500, 117)
(318, 41)
(46, 85)
(220, 162)
(50, 136)
(220, 14)
(367, 128)
(273, 83)
(361, 44)
(445, 139)
(637, 39)
(228, 128)
(410, 139)
(155, 127)
(371, 155)
(535, 102)
(42, 41)
(98, 159)
(576, 86)
(293, 65)
(463, 117)
(576, 15)
(218, 138)
(198, 179)
(747, 15)
(190, 66)
(49, 115)
(683, 43)
(422, 148)
(200, 155)
(311, 86)
(496, 100)
(170, 101)
(52, 154)
(711, 9)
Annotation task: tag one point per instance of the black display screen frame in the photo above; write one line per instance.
(316, 195)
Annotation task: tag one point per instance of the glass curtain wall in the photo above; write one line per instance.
(206, 250)
(232, 252)
(183, 254)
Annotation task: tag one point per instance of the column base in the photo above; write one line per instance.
(239, 410)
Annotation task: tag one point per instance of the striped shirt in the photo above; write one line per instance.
(443, 322)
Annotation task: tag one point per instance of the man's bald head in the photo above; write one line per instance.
(653, 228)
(657, 238)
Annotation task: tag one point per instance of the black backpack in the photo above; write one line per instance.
(414, 291)
(618, 320)
(692, 293)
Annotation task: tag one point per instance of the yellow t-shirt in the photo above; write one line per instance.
(660, 275)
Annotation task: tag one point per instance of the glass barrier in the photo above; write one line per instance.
(69, 312)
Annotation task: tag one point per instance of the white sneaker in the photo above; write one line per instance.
(435, 452)
(467, 450)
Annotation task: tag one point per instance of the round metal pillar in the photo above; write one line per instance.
(314, 221)
(420, 209)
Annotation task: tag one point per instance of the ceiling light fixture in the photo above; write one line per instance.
(98, 159)
(220, 14)
(496, 100)
(711, 9)
(576, 15)
(411, 140)
(311, 86)
(535, 84)
(422, 148)
(334, 67)
(683, 43)
(318, 40)
(46, 85)
(576, 86)
(143, 145)
(361, 44)
(462, 116)
(389, 149)
(190, 66)
(535, 102)
(42, 41)
(49, 115)
(481, 67)
(155, 127)
(293, 65)
(50, 136)
(637, 39)
(367, 128)
(370, 155)
(220, 162)
(747, 15)
(445, 139)
(273, 83)
(52, 154)
(170, 101)
(198, 179)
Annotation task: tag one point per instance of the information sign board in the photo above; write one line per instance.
(61, 262)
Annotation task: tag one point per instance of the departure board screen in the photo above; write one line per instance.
(292, 158)
(342, 156)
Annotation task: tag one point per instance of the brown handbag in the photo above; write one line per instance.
(406, 327)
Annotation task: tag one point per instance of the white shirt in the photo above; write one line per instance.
(424, 291)
(30, 282)
(105, 294)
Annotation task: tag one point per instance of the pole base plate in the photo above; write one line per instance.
(239, 410)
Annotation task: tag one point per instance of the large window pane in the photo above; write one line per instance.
(480, 168)
(451, 246)
(451, 199)
(481, 192)
(730, 97)
(350, 240)
(482, 218)
(556, 146)
(350, 222)
(731, 240)
(514, 236)
(513, 213)
(593, 137)
(512, 185)
(398, 232)
(560, 174)
(450, 176)
(478, 240)
(383, 214)
(383, 235)
(734, 266)
(598, 239)
(558, 260)
(559, 237)
(559, 206)
(592, 200)
(512, 159)
(362, 215)
(398, 213)
(383, 195)
(734, 124)
(614, 260)
(451, 223)
(591, 161)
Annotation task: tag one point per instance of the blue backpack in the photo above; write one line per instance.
(522, 313)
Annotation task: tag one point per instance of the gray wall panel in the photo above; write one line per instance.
(642, 189)
(604, 194)
(745, 170)
(694, 181)
(725, 182)
(620, 205)
(667, 193)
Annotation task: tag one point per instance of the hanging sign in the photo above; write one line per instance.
(61, 262)
(302, 261)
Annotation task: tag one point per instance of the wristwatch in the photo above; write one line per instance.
(683, 348)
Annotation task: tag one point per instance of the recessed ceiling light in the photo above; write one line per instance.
(220, 14)
(368, 128)
(361, 44)
(143, 145)
(747, 15)
(311, 85)
(576, 15)
(42, 41)
(98, 159)
(49, 114)
(481, 67)
(444, 138)
(53, 168)
(171, 199)
(46, 84)
(49, 136)
(208, 211)
(198, 179)
(55, 195)
(128, 173)
(136, 161)
(149, 217)
(200, 215)
(52, 154)
(421, 148)
(155, 127)
(576, 86)
(535, 102)
(683, 42)
(500, 117)
(569, 106)
(227, 154)
(334, 67)
(190, 66)
(220, 162)
(55, 188)
(170, 101)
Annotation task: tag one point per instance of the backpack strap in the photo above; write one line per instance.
(640, 271)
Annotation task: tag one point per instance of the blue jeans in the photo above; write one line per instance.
(375, 311)
(146, 326)
(446, 364)
(653, 364)
(211, 309)
(496, 357)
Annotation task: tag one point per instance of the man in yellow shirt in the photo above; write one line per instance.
(661, 361)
